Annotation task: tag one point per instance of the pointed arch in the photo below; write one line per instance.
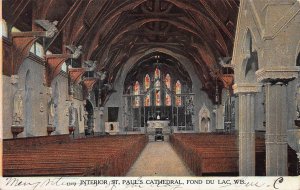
(136, 92)
(247, 47)
(147, 100)
(250, 62)
(147, 82)
(168, 81)
(168, 101)
(157, 73)
(178, 91)
(28, 105)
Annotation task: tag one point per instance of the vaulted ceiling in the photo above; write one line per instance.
(111, 31)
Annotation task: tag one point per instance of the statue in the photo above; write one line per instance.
(51, 111)
(76, 51)
(18, 109)
(89, 65)
(158, 117)
(85, 119)
(72, 115)
(204, 119)
(50, 27)
(101, 75)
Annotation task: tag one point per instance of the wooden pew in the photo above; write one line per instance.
(107, 156)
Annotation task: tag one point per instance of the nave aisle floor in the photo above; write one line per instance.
(159, 159)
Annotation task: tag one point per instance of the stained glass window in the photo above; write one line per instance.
(157, 73)
(157, 93)
(157, 87)
(147, 82)
(136, 91)
(178, 91)
(168, 81)
(168, 100)
(147, 99)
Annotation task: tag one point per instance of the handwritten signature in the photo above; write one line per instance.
(257, 184)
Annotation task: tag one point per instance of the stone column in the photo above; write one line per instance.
(246, 127)
(277, 94)
(276, 128)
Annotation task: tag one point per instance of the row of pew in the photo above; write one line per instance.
(208, 154)
(213, 154)
(96, 156)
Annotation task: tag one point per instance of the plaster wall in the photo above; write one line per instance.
(39, 97)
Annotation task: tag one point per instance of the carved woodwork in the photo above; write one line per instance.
(89, 83)
(75, 74)
(53, 66)
(200, 31)
(20, 50)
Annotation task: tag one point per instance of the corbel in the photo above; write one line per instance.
(75, 74)
(55, 61)
(23, 41)
(89, 83)
(53, 66)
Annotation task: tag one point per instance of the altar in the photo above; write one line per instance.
(158, 130)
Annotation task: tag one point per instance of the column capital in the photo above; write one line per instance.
(278, 73)
(246, 88)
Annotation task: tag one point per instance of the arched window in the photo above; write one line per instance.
(147, 101)
(157, 73)
(178, 91)
(157, 87)
(168, 101)
(157, 93)
(136, 92)
(168, 81)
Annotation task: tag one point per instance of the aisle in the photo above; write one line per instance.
(159, 159)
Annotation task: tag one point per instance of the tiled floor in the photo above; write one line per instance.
(159, 159)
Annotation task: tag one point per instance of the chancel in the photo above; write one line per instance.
(151, 87)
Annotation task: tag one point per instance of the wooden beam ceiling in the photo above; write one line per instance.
(113, 30)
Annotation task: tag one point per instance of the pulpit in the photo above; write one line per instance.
(158, 130)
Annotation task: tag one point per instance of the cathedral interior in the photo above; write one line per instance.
(90, 86)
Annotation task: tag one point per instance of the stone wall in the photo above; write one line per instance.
(265, 70)
(31, 77)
